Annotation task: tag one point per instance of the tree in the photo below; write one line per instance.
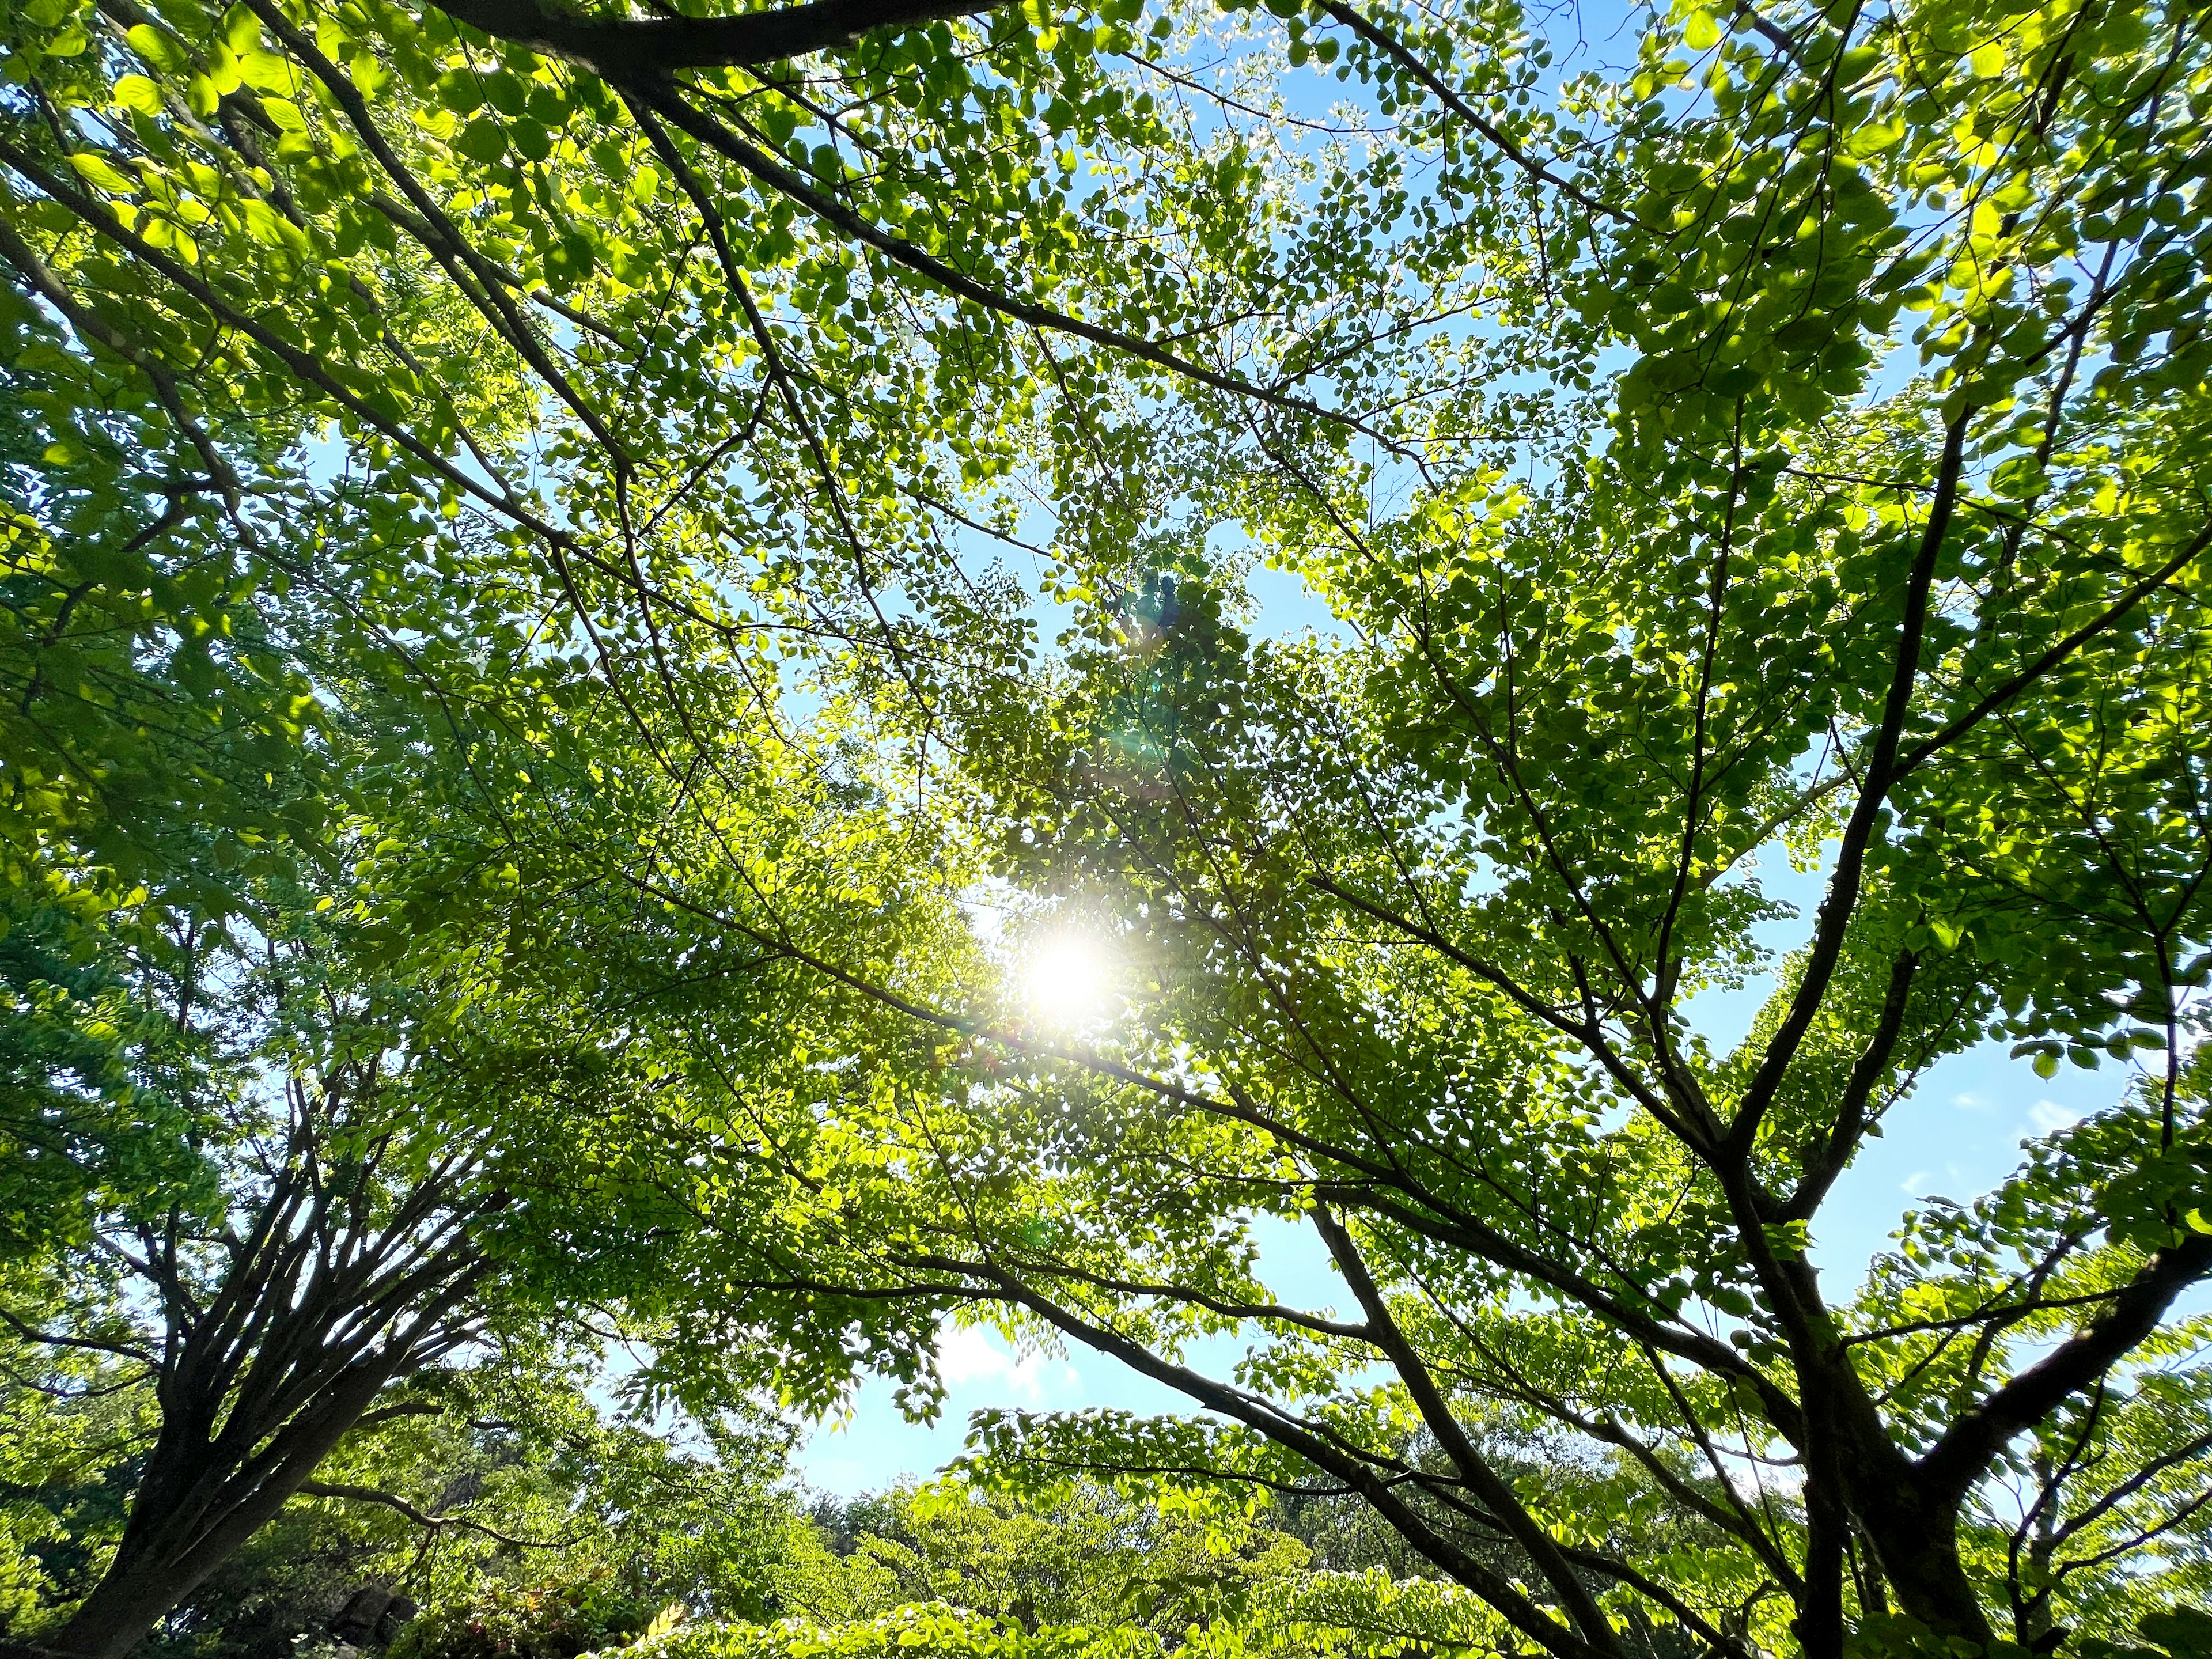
(503, 1477)
(1413, 924)
(478, 242)
(413, 1121)
(337, 1258)
(1081, 1555)
(1584, 400)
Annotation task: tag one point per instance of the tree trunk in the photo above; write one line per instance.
(121, 1609)
(1915, 1541)
(196, 1502)
(1913, 1531)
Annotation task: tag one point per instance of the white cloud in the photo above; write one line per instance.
(966, 1355)
(2049, 1116)
(1912, 1184)
(1971, 1102)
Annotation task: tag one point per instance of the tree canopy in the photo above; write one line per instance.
(613, 539)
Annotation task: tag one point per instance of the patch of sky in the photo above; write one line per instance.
(1281, 603)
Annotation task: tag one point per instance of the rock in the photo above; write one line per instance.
(372, 1619)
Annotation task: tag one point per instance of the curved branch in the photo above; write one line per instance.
(2057, 655)
(642, 50)
(422, 1518)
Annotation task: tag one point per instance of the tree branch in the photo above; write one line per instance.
(2057, 655)
(1956, 1461)
(647, 51)
(421, 1518)
(1842, 897)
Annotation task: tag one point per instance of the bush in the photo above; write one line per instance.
(931, 1632)
(556, 1621)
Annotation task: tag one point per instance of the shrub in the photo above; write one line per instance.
(555, 1621)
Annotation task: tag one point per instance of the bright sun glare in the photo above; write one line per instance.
(1069, 980)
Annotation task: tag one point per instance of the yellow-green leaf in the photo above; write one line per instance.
(95, 169)
(138, 94)
(157, 48)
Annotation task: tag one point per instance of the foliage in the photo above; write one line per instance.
(1079, 1555)
(1341, 1615)
(1787, 443)
(89, 1113)
(70, 1432)
(412, 1120)
(2178, 1631)
(932, 1629)
(1857, 518)
(555, 1622)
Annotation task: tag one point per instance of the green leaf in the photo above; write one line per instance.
(138, 94)
(96, 169)
(158, 49)
(482, 140)
(530, 139)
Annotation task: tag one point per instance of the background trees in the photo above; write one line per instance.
(1084, 1556)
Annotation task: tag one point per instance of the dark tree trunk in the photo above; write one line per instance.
(197, 1502)
(1914, 1536)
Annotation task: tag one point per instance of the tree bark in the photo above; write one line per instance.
(195, 1507)
(645, 50)
(1912, 1532)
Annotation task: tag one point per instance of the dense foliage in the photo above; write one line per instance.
(1081, 1555)
(531, 533)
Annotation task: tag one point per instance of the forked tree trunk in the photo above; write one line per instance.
(196, 1502)
(319, 1311)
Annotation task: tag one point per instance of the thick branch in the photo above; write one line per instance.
(1956, 1461)
(768, 171)
(1842, 897)
(2024, 678)
(1492, 1587)
(643, 51)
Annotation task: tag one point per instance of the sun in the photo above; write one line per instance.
(1067, 980)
